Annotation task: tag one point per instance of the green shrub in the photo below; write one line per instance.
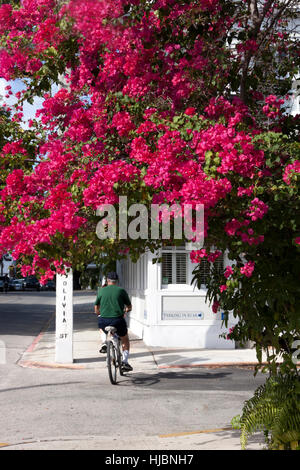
(275, 410)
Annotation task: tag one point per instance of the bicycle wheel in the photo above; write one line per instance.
(112, 362)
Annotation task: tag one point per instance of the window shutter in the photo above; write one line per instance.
(205, 268)
(167, 268)
(181, 268)
(219, 264)
(204, 271)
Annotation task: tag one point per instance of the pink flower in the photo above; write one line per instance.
(245, 191)
(290, 171)
(230, 331)
(213, 256)
(248, 269)
(228, 272)
(146, 127)
(140, 151)
(223, 287)
(15, 182)
(272, 106)
(33, 65)
(123, 123)
(215, 306)
(232, 226)
(148, 112)
(196, 256)
(257, 209)
(249, 45)
(190, 111)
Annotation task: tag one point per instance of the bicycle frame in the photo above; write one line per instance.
(114, 356)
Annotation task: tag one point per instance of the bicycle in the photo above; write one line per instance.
(114, 355)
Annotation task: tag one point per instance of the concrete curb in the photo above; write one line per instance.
(212, 365)
(46, 365)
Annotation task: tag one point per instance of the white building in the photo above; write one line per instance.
(167, 309)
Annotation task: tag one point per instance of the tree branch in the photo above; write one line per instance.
(257, 20)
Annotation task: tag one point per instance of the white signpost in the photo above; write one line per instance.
(64, 318)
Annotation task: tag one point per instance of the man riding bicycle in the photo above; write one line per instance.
(109, 306)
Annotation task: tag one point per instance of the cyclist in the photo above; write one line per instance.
(109, 306)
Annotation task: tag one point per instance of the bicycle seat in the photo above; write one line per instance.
(111, 329)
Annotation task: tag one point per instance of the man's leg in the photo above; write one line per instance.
(103, 335)
(103, 348)
(126, 348)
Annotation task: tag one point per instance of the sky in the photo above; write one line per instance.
(29, 110)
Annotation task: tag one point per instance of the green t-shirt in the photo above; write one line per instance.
(112, 300)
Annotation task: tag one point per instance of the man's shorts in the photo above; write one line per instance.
(117, 322)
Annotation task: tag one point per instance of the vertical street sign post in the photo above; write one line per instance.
(64, 318)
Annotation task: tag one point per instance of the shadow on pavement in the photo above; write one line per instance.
(201, 379)
(166, 376)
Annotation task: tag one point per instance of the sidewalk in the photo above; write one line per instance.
(86, 343)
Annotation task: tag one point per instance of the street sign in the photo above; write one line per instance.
(182, 316)
(64, 318)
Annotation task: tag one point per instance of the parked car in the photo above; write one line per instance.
(11, 283)
(32, 282)
(50, 285)
(17, 284)
(1, 285)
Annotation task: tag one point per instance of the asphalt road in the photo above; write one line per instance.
(54, 404)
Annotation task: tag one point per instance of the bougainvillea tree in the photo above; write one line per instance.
(166, 102)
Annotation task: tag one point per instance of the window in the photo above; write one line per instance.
(177, 267)
(174, 265)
